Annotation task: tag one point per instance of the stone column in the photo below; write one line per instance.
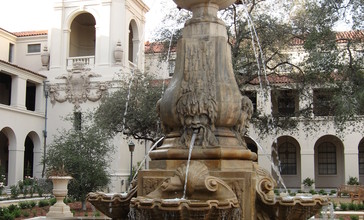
(351, 155)
(307, 164)
(18, 91)
(39, 98)
(16, 164)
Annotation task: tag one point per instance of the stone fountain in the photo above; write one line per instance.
(203, 100)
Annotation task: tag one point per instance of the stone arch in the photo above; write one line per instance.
(329, 162)
(133, 41)
(82, 39)
(7, 141)
(32, 151)
(361, 160)
(287, 151)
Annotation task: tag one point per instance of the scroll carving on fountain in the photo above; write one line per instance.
(208, 197)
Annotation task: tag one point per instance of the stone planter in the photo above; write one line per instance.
(60, 209)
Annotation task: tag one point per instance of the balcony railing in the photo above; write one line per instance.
(89, 61)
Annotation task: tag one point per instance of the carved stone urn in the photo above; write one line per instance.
(60, 209)
(45, 58)
(118, 53)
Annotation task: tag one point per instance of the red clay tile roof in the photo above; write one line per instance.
(155, 47)
(274, 79)
(16, 66)
(341, 37)
(30, 33)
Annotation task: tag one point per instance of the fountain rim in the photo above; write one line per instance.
(189, 4)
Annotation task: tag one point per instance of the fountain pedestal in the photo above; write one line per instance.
(204, 109)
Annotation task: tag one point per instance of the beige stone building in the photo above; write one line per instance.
(47, 75)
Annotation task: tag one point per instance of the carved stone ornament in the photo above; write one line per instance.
(207, 197)
(269, 206)
(78, 89)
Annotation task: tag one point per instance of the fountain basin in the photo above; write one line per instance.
(115, 205)
(299, 207)
(173, 209)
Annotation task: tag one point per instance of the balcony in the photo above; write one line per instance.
(89, 61)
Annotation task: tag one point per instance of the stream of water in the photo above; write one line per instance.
(273, 165)
(188, 161)
(143, 161)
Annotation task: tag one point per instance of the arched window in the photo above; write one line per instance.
(131, 48)
(361, 157)
(327, 159)
(288, 158)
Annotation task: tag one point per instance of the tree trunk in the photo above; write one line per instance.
(84, 205)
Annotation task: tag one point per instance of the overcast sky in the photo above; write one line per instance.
(27, 15)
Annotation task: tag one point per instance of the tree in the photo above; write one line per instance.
(132, 108)
(81, 152)
(262, 32)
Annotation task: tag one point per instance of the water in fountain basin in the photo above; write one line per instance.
(188, 160)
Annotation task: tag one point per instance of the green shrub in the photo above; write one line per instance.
(322, 192)
(43, 202)
(12, 207)
(26, 214)
(67, 200)
(3, 210)
(9, 216)
(333, 191)
(353, 181)
(361, 206)
(34, 213)
(313, 192)
(308, 182)
(17, 213)
(32, 204)
(354, 217)
(343, 206)
(52, 201)
(97, 214)
(24, 205)
(14, 191)
(352, 207)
